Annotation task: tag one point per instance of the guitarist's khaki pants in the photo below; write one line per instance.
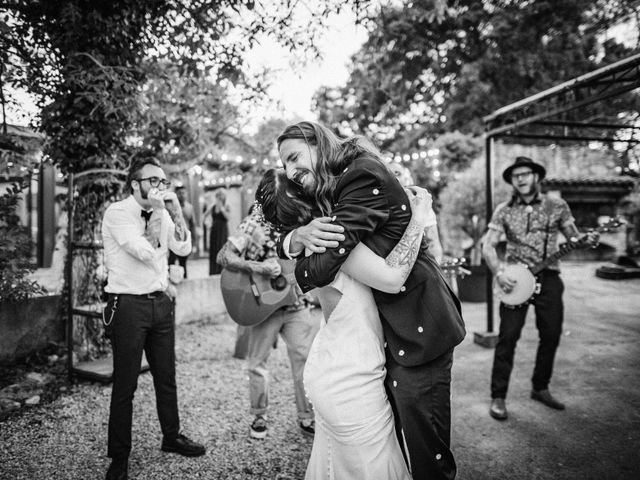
(298, 329)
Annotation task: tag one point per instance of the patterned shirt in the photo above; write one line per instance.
(531, 229)
(256, 240)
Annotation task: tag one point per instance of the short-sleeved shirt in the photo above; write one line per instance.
(531, 229)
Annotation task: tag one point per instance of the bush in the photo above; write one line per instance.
(15, 251)
(463, 211)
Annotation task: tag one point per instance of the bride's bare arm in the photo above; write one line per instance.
(390, 273)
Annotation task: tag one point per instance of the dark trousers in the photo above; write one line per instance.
(421, 401)
(141, 323)
(549, 312)
(182, 261)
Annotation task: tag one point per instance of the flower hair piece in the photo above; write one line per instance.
(256, 210)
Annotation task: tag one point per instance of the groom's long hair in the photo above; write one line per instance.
(334, 154)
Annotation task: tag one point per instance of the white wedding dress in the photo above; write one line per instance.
(344, 379)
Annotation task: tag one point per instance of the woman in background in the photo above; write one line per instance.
(219, 228)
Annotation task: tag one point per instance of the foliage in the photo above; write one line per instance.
(455, 152)
(183, 117)
(425, 70)
(15, 251)
(463, 212)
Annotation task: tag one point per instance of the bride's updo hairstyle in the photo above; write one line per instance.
(282, 201)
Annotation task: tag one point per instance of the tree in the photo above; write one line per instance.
(89, 61)
(462, 217)
(426, 70)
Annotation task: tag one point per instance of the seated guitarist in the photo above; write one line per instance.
(253, 249)
(531, 222)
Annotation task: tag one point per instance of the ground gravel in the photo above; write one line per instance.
(67, 438)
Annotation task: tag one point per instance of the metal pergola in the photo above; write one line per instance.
(563, 112)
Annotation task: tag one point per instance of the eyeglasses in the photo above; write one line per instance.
(518, 176)
(155, 182)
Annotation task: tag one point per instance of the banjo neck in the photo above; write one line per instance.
(562, 251)
(569, 246)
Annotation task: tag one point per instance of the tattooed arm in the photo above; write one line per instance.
(175, 212)
(390, 273)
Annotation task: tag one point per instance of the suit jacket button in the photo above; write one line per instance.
(438, 456)
(341, 251)
(376, 191)
(420, 329)
(403, 207)
(403, 288)
(306, 274)
(395, 384)
(401, 353)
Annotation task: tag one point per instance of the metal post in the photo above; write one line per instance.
(68, 276)
(489, 213)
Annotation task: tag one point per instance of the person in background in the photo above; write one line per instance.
(252, 249)
(531, 222)
(139, 315)
(431, 235)
(220, 212)
(187, 214)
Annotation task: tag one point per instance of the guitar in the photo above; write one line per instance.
(252, 298)
(527, 285)
(455, 267)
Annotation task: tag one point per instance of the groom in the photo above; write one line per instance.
(422, 323)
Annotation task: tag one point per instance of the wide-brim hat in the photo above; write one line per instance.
(524, 162)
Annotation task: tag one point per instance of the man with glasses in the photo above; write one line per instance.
(531, 222)
(137, 233)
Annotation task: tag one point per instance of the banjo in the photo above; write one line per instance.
(527, 285)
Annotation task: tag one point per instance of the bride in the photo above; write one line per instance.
(344, 374)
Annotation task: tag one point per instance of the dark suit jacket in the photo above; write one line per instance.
(421, 322)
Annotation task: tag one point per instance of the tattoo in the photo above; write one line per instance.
(406, 251)
(175, 212)
(228, 258)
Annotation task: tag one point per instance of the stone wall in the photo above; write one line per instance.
(29, 326)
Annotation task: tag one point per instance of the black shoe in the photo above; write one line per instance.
(498, 409)
(545, 397)
(183, 446)
(308, 427)
(118, 470)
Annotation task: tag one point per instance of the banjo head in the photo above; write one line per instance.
(524, 289)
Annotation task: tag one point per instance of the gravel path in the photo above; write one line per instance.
(66, 439)
(596, 438)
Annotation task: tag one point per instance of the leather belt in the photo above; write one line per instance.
(151, 296)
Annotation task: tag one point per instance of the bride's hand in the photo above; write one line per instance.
(421, 203)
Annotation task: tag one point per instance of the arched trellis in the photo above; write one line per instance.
(560, 113)
(89, 193)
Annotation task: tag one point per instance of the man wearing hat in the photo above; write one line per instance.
(531, 222)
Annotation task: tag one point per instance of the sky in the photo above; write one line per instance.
(293, 86)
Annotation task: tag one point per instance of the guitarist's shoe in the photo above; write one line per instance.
(308, 427)
(498, 409)
(258, 428)
(549, 400)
